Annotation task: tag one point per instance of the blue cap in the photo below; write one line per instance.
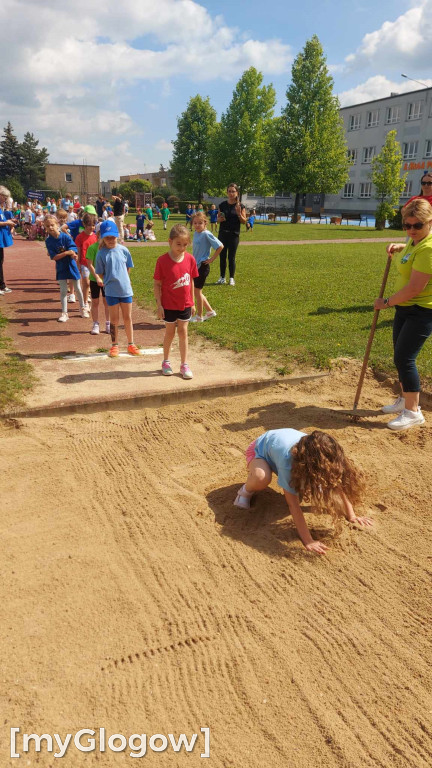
(109, 229)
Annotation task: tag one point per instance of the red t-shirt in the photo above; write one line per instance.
(428, 198)
(177, 280)
(82, 242)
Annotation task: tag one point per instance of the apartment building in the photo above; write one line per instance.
(366, 126)
(82, 180)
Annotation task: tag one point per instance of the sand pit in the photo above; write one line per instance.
(136, 598)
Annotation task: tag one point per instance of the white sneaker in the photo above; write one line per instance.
(407, 419)
(7, 290)
(396, 407)
(71, 298)
(232, 281)
(221, 281)
(107, 327)
(63, 317)
(86, 307)
(196, 319)
(1, 292)
(208, 315)
(95, 330)
(84, 312)
(243, 498)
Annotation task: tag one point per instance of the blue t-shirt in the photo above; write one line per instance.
(66, 204)
(140, 221)
(251, 220)
(274, 447)
(6, 238)
(74, 228)
(213, 215)
(113, 264)
(203, 242)
(188, 213)
(66, 268)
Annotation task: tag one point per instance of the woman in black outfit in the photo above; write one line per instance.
(231, 214)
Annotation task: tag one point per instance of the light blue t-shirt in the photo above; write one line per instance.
(203, 242)
(113, 264)
(274, 447)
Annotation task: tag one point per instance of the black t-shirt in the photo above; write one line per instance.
(118, 208)
(231, 224)
(99, 205)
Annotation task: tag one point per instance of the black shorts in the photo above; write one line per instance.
(96, 289)
(172, 315)
(203, 273)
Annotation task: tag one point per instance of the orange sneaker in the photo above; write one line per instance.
(114, 351)
(133, 349)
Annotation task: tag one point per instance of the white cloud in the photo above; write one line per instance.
(67, 74)
(405, 41)
(164, 146)
(377, 87)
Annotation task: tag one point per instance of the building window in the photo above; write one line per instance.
(365, 189)
(428, 148)
(68, 177)
(407, 192)
(368, 153)
(393, 115)
(410, 150)
(415, 110)
(354, 122)
(372, 118)
(348, 190)
(352, 155)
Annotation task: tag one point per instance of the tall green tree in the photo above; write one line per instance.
(190, 163)
(15, 188)
(10, 156)
(309, 151)
(385, 172)
(33, 161)
(241, 144)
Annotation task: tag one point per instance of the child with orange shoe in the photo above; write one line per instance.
(113, 264)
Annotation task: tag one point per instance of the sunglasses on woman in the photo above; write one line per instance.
(426, 183)
(418, 225)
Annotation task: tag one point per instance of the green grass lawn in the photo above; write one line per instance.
(16, 375)
(282, 230)
(306, 304)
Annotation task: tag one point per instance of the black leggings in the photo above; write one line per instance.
(411, 327)
(230, 243)
(2, 282)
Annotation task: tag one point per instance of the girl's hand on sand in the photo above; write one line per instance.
(363, 521)
(317, 547)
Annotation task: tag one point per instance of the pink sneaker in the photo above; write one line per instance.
(186, 371)
(166, 368)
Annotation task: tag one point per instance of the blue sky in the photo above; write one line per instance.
(105, 82)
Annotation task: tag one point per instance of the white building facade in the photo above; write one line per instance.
(366, 126)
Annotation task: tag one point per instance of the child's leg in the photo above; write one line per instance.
(85, 282)
(126, 310)
(170, 329)
(95, 310)
(106, 308)
(259, 476)
(77, 289)
(114, 314)
(182, 331)
(70, 286)
(198, 301)
(206, 303)
(63, 296)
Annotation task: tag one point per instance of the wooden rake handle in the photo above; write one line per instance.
(371, 334)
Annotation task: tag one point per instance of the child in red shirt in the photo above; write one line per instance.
(173, 290)
(82, 242)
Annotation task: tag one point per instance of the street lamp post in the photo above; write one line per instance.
(415, 81)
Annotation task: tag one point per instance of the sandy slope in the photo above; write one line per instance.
(135, 597)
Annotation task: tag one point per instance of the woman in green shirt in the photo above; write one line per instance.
(412, 323)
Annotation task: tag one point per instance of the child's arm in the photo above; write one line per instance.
(215, 255)
(300, 523)
(62, 255)
(90, 266)
(351, 515)
(157, 289)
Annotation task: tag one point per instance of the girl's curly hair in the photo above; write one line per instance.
(320, 470)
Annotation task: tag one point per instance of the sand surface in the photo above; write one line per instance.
(135, 597)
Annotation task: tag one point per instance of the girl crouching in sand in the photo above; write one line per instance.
(312, 465)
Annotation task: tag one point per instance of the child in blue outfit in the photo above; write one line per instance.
(312, 465)
(203, 242)
(113, 264)
(140, 220)
(62, 249)
(251, 220)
